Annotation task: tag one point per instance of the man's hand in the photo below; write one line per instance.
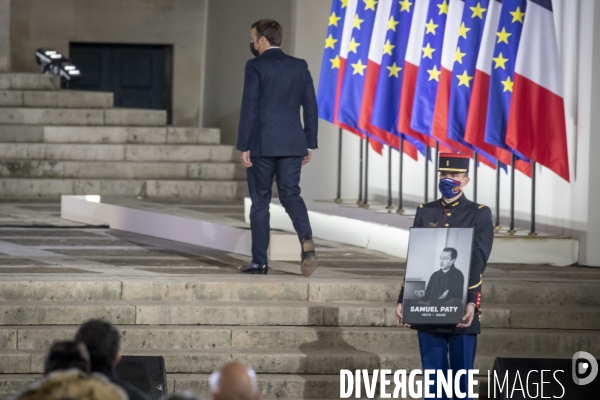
(245, 158)
(306, 159)
(468, 317)
(443, 296)
(399, 317)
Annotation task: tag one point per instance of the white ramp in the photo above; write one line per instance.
(90, 210)
(389, 233)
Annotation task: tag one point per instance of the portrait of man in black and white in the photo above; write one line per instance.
(437, 266)
(445, 286)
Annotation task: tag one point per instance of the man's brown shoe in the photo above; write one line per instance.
(309, 257)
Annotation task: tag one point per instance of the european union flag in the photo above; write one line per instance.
(430, 67)
(463, 71)
(356, 64)
(330, 67)
(510, 26)
(389, 85)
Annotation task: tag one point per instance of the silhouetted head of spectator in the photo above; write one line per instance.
(102, 340)
(234, 381)
(67, 355)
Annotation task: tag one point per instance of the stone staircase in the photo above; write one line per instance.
(55, 142)
(297, 334)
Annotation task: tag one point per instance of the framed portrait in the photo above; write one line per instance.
(437, 275)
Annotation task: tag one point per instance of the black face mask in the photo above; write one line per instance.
(253, 50)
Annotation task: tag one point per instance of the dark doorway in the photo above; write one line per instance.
(140, 76)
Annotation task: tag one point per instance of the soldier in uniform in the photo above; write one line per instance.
(449, 347)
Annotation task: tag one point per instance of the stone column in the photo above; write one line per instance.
(4, 35)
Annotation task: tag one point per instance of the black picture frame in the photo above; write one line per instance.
(436, 285)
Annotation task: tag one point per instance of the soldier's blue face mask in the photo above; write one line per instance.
(449, 187)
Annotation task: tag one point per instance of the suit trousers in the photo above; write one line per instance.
(435, 349)
(286, 171)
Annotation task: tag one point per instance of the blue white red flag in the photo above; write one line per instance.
(412, 61)
(353, 83)
(387, 43)
(356, 37)
(334, 64)
(439, 128)
(463, 71)
(536, 121)
(476, 121)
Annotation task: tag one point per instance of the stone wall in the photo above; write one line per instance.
(55, 23)
(227, 51)
(4, 35)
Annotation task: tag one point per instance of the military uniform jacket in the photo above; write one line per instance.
(461, 213)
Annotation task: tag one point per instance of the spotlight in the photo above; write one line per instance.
(54, 63)
(45, 57)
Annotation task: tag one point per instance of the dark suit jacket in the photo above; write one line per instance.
(440, 281)
(275, 87)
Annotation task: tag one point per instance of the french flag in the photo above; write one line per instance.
(442, 101)
(465, 63)
(380, 43)
(411, 71)
(536, 121)
(476, 121)
(348, 27)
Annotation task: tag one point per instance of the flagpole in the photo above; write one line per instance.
(497, 227)
(435, 168)
(389, 203)
(532, 232)
(366, 200)
(400, 210)
(511, 230)
(475, 178)
(338, 198)
(360, 174)
(427, 154)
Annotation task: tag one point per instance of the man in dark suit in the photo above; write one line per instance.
(445, 286)
(273, 141)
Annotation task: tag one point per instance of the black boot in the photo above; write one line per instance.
(309, 257)
(255, 269)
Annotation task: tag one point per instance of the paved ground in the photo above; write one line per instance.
(35, 241)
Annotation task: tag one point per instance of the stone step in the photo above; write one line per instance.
(559, 292)
(271, 386)
(28, 81)
(66, 116)
(107, 134)
(174, 289)
(272, 288)
(117, 152)
(351, 314)
(322, 362)
(535, 341)
(276, 314)
(189, 337)
(121, 170)
(56, 99)
(201, 190)
(180, 152)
